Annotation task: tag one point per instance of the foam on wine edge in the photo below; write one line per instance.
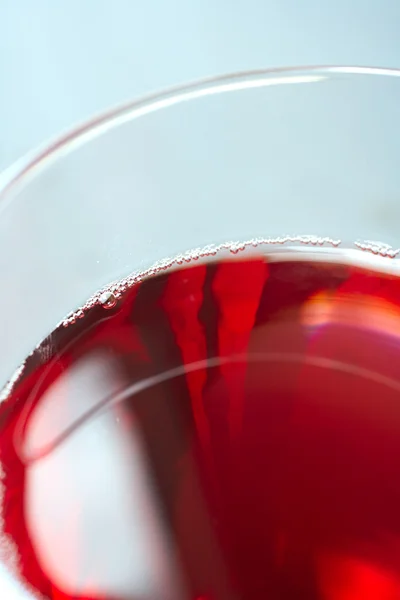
(110, 294)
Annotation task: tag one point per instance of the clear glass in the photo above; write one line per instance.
(264, 153)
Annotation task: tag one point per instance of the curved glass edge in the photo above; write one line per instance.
(31, 164)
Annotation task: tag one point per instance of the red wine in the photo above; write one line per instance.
(224, 430)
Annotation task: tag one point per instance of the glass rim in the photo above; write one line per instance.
(36, 160)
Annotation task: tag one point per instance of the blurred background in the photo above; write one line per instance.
(60, 61)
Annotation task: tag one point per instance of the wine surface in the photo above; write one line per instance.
(226, 430)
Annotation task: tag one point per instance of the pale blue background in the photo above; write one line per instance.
(61, 60)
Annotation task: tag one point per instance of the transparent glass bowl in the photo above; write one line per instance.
(257, 154)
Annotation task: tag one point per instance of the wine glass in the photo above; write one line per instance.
(263, 153)
(303, 157)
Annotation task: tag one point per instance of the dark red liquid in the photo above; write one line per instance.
(264, 465)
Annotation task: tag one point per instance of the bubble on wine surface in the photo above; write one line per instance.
(108, 300)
